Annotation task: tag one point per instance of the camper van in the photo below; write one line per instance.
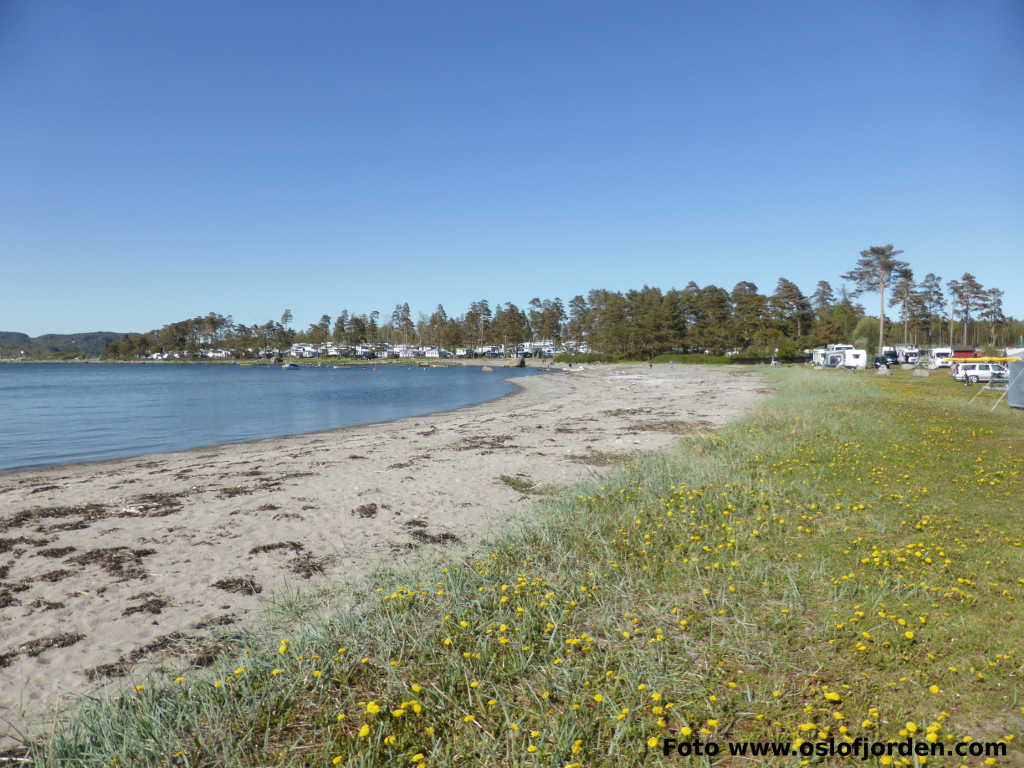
(939, 357)
(839, 356)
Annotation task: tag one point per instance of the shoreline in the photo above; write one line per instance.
(211, 446)
(106, 565)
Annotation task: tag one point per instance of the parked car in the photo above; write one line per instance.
(881, 360)
(975, 372)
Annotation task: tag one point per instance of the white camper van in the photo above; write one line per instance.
(840, 356)
(939, 357)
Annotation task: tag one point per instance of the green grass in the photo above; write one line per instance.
(845, 561)
(694, 359)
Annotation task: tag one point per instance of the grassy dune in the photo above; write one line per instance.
(848, 561)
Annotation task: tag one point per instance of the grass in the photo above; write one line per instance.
(525, 485)
(694, 359)
(847, 561)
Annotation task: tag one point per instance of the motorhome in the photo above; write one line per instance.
(939, 357)
(839, 356)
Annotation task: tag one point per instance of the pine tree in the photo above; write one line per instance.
(967, 294)
(792, 307)
(932, 300)
(874, 272)
(903, 292)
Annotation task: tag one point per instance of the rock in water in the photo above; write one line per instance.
(487, 369)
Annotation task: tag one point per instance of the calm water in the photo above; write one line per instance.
(58, 414)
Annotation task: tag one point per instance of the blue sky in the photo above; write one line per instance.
(166, 159)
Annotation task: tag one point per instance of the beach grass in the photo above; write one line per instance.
(847, 561)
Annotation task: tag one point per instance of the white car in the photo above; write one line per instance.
(975, 372)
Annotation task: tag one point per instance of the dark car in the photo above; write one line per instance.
(880, 360)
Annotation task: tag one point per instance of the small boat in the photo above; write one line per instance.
(289, 365)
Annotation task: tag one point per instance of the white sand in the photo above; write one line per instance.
(85, 586)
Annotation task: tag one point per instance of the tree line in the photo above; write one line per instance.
(644, 322)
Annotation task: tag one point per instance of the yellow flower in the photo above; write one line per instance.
(139, 687)
(336, 760)
(417, 757)
(531, 748)
(652, 742)
(364, 731)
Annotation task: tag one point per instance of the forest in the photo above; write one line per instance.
(644, 322)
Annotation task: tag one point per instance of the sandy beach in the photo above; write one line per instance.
(106, 565)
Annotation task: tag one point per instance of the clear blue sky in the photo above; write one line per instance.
(165, 159)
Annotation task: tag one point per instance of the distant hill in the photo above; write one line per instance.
(13, 344)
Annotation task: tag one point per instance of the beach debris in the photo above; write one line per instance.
(121, 667)
(122, 562)
(294, 546)
(86, 513)
(7, 545)
(306, 565)
(416, 528)
(242, 585)
(153, 505)
(62, 640)
(365, 511)
(483, 442)
(235, 490)
(55, 552)
(45, 605)
(151, 604)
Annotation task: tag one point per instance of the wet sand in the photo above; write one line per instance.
(108, 564)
